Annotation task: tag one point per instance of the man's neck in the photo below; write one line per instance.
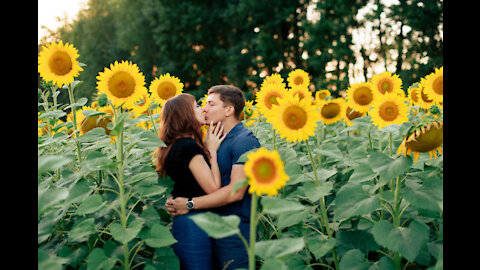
(229, 124)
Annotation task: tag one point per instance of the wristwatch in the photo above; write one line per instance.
(190, 204)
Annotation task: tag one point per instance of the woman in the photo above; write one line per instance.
(192, 165)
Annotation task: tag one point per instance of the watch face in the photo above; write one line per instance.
(189, 205)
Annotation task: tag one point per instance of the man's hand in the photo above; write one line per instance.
(177, 206)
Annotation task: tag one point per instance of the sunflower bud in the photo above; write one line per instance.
(102, 100)
(46, 84)
(435, 110)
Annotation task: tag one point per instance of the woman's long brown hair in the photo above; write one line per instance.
(178, 121)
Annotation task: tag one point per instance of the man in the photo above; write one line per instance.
(225, 104)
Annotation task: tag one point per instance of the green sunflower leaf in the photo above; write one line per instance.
(405, 240)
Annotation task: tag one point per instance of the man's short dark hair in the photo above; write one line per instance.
(231, 96)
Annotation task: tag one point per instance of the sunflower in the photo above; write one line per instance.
(123, 83)
(247, 111)
(46, 127)
(294, 119)
(298, 77)
(165, 87)
(332, 111)
(265, 172)
(203, 100)
(351, 114)
(360, 96)
(423, 137)
(254, 118)
(425, 101)
(433, 84)
(322, 94)
(275, 78)
(389, 109)
(387, 83)
(142, 105)
(100, 120)
(269, 95)
(414, 94)
(58, 63)
(302, 92)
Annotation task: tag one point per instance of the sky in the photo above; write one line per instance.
(49, 10)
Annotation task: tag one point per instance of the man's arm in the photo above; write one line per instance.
(220, 197)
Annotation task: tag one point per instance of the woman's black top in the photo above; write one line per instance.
(178, 158)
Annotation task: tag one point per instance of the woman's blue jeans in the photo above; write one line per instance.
(194, 247)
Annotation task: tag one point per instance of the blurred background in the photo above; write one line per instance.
(240, 42)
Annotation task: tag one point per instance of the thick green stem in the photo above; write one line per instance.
(396, 221)
(153, 122)
(323, 209)
(273, 135)
(74, 117)
(314, 166)
(121, 189)
(390, 142)
(370, 139)
(253, 232)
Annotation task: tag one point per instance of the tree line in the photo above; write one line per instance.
(207, 42)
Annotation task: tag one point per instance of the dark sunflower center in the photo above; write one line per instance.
(271, 100)
(414, 95)
(353, 114)
(389, 111)
(330, 110)
(300, 94)
(385, 86)
(166, 90)
(93, 122)
(438, 85)
(264, 170)
(424, 97)
(298, 80)
(294, 117)
(428, 140)
(363, 96)
(60, 63)
(121, 84)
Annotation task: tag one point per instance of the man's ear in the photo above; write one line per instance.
(229, 111)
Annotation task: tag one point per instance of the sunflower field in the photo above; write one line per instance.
(349, 182)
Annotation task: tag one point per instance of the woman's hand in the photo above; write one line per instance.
(214, 137)
(177, 206)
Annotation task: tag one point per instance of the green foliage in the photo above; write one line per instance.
(383, 210)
